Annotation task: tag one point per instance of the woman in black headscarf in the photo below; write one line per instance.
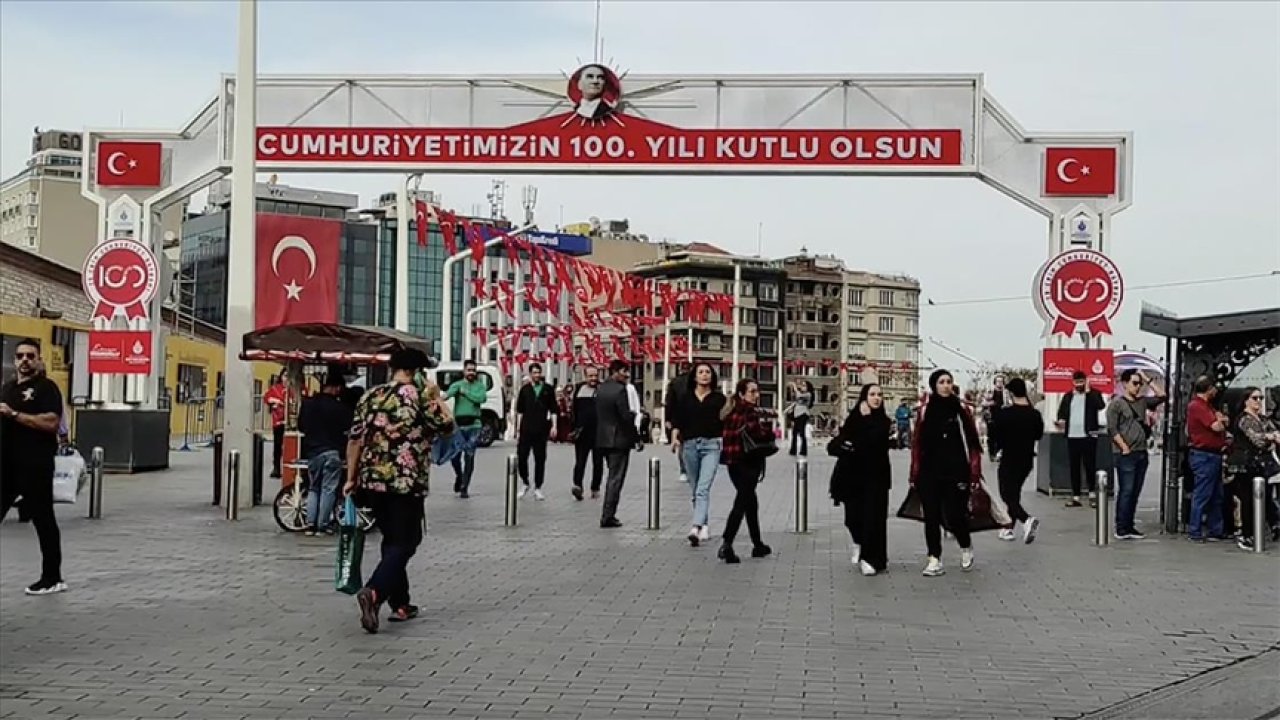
(946, 462)
(861, 479)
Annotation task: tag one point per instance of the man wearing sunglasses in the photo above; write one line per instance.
(30, 412)
(1129, 431)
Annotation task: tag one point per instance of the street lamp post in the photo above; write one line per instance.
(446, 292)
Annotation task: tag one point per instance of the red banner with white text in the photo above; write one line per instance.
(1059, 366)
(119, 352)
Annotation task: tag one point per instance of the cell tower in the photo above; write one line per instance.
(497, 200)
(529, 199)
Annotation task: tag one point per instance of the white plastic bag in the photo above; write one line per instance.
(67, 470)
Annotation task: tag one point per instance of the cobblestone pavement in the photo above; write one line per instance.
(173, 612)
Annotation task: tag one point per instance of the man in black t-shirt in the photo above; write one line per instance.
(1018, 429)
(30, 411)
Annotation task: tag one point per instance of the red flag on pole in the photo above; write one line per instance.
(421, 215)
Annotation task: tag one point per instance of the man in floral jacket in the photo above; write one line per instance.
(389, 457)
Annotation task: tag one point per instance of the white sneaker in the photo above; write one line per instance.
(694, 536)
(524, 490)
(966, 558)
(933, 568)
(538, 494)
(1029, 529)
(857, 553)
(1008, 534)
(866, 568)
(684, 479)
(46, 588)
(704, 533)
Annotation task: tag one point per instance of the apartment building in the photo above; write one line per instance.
(883, 333)
(707, 268)
(815, 336)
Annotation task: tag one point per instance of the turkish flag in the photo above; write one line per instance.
(129, 164)
(297, 270)
(1080, 172)
(420, 214)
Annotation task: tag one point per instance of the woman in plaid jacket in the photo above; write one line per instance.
(743, 420)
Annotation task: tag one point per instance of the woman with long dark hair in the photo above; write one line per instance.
(861, 479)
(696, 438)
(946, 463)
(746, 426)
(1252, 455)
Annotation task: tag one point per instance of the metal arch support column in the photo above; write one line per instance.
(402, 254)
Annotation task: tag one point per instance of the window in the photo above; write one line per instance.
(191, 383)
(810, 316)
(767, 374)
(886, 325)
(913, 326)
(768, 318)
(445, 378)
(912, 300)
(886, 351)
(748, 289)
(810, 342)
(886, 298)
(748, 316)
(857, 322)
(747, 344)
(857, 350)
(768, 291)
(855, 297)
(767, 346)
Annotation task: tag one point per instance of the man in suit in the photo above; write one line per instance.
(1078, 418)
(615, 436)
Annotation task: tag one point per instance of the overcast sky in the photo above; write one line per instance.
(1196, 83)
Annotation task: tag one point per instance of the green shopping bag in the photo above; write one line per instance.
(346, 576)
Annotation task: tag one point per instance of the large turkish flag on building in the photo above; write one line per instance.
(297, 270)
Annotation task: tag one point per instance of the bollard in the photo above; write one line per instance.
(802, 495)
(217, 468)
(257, 471)
(513, 493)
(1259, 513)
(1182, 525)
(1101, 526)
(655, 493)
(96, 460)
(232, 495)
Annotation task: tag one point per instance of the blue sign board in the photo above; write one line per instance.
(560, 242)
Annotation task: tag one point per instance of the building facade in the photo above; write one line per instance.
(815, 337)
(42, 210)
(761, 320)
(883, 324)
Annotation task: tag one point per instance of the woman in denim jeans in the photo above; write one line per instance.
(696, 429)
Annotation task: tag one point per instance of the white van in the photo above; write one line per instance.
(493, 417)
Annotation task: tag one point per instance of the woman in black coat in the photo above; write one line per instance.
(861, 479)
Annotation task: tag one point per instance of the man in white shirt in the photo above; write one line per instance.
(1078, 418)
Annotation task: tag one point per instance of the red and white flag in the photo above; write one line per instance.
(422, 214)
(1080, 171)
(129, 164)
(297, 270)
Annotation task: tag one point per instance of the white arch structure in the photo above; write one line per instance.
(402, 124)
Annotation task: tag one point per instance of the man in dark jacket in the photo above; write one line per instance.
(583, 407)
(535, 409)
(1078, 418)
(675, 390)
(615, 436)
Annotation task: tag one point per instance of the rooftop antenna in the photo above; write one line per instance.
(760, 239)
(498, 200)
(529, 199)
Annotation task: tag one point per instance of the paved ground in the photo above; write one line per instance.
(174, 612)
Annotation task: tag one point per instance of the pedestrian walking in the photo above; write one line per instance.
(536, 409)
(1129, 431)
(276, 399)
(30, 413)
(468, 395)
(861, 479)
(946, 465)
(902, 416)
(1078, 418)
(747, 440)
(696, 438)
(995, 402)
(389, 460)
(324, 420)
(670, 404)
(1207, 437)
(615, 436)
(585, 425)
(1252, 455)
(1018, 429)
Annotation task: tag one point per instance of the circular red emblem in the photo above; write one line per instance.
(120, 275)
(1079, 287)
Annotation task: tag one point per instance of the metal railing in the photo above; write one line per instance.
(201, 417)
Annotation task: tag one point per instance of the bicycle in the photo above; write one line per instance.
(290, 509)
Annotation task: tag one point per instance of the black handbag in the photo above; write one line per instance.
(758, 449)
